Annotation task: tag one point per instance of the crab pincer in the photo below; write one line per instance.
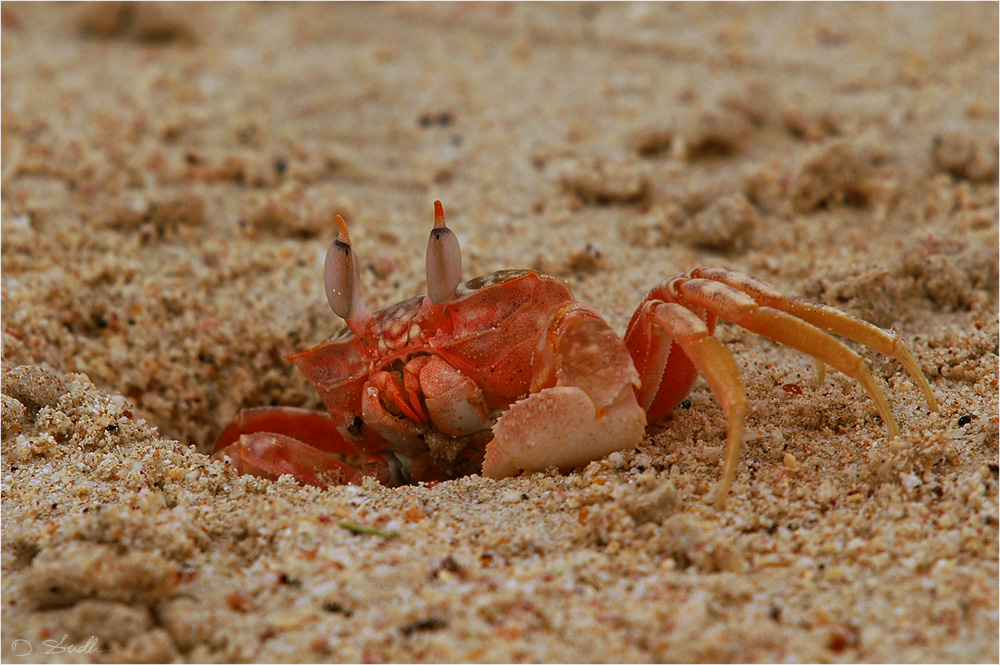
(582, 403)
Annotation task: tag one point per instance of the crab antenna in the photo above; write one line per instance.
(343, 282)
(444, 260)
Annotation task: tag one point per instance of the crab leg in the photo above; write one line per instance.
(736, 306)
(827, 318)
(270, 442)
(710, 358)
(667, 374)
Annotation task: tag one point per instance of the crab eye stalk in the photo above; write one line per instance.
(444, 260)
(342, 280)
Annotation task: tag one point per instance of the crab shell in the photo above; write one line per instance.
(493, 331)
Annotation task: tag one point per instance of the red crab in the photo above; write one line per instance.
(507, 373)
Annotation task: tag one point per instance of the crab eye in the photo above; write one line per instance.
(343, 282)
(338, 277)
(444, 260)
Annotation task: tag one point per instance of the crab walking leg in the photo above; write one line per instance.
(715, 363)
(824, 317)
(667, 374)
(270, 442)
(820, 372)
(269, 455)
(582, 404)
(313, 428)
(735, 306)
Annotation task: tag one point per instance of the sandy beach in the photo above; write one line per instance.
(170, 176)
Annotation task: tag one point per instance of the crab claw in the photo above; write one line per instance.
(582, 404)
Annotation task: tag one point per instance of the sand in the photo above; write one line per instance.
(169, 177)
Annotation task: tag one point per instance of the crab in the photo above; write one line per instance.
(509, 374)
